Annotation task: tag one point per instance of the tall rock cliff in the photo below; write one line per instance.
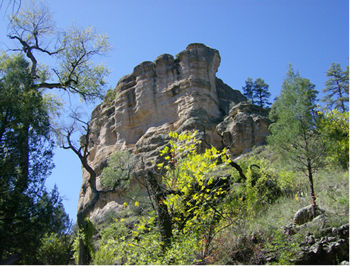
(181, 93)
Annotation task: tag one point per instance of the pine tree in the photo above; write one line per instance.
(337, 88)
(293, 133)
(261, 93)
(248, 90)
(257, 92)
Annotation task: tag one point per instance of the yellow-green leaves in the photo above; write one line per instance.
(333, 126)
(193, 177)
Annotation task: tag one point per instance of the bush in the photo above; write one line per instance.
(118, 172)
(110, 95)
(138, 243)
(55, 249)
(334, 128)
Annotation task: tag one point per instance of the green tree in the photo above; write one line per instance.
(248, 90)
(35, 32)
(337, 88)
(27, 210)
(293, 131)
(74, 72)
(334, 129)
(257, 92)
(194, 186)
(55, 249)
(261, 93)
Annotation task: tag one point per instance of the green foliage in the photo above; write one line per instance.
(261, 187)
(284, 248)
(248, 90)
(257, 92)
(334, 128)
(55, 249)
(88, 78)
(85, 235)
(138, 243)
(293, 133)
(248, 216)
(118, 172)
(337, 88)
(110, 95)
(196, 182)
(264, 186)
(334, 193)
(76, 250)
(76, 71)
(27, 210)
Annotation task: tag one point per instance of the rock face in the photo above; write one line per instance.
(181, 93)
(245, 126)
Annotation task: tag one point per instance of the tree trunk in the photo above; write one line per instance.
(311, 184)
(164, 219)
(84, 253)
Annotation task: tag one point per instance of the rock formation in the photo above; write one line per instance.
(181, 93)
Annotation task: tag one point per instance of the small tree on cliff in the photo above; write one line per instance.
(257, 92)
(293, 132)
(248, 90)
(81, 150)
(261, 93)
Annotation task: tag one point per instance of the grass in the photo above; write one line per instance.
(244, 243)
(252, 239)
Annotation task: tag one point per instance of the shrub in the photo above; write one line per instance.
(55, 249)
(110, 95)
(118, 172)
(334, 128)
(86, 234)
(138, 243)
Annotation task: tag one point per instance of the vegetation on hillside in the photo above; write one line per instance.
(216, 217)
(212, 213)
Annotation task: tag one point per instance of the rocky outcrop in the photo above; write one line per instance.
(178, 94)
(245, 126)
(331, 248)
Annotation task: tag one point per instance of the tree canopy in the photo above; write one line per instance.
(74, 49)
(257, 92)
(293, 131)
(337, 88)
(27, 210)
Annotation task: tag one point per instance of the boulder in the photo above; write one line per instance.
(308, 214)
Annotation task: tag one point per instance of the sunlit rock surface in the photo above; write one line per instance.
(181, 93)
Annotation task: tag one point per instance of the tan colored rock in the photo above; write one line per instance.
(245, 126)
(181, 93)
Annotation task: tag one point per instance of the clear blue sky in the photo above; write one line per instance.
(255, 38)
